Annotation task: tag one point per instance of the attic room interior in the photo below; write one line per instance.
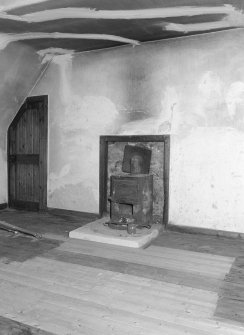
(121, 167)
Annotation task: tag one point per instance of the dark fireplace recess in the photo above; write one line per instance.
(129, 167)
(131, 192)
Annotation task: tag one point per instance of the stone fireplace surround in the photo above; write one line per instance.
(111, 156)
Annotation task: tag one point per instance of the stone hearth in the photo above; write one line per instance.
(98, 231)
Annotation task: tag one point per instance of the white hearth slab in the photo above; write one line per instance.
(98, 231)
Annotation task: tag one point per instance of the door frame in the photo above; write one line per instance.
(43, 137)
(103, 167)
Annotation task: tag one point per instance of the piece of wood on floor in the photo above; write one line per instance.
(11, 327)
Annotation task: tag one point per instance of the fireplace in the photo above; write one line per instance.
(131, 193)
(121, 188)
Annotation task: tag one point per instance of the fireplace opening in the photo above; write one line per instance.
(135, 169)
(125, 209)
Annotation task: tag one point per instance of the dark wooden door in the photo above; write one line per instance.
(27, 156)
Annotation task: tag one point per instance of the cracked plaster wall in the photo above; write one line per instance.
(191, 88)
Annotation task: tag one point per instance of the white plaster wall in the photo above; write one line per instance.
(207, 180)
(191, 88)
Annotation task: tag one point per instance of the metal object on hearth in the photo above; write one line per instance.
(131, 228)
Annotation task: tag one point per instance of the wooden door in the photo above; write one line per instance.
(27, 156)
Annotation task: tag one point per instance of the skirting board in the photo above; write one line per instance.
(3, 206)
(204, 231)
(59, 211)
(98, 231)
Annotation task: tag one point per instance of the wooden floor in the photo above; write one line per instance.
(181, 284)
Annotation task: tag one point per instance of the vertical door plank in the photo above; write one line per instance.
(36, 150)
(29, 150)
(11, 167)
(43, 153)
(36, 133)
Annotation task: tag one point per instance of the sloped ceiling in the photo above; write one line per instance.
(82, 25)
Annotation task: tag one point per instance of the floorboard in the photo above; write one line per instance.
(162, 259)
(19, 248)
(231, 247)
(181, 284)
(146, 271)
(52, 224)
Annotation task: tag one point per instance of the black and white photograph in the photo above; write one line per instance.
(121, 167)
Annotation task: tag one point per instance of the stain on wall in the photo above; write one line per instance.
(191, 88)
(75, 123)
(19, 69)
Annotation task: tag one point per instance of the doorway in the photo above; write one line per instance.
(27, 155)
